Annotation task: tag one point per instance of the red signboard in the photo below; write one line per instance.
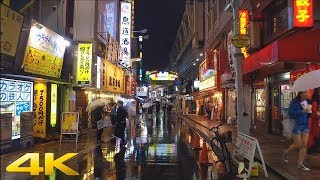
(244, 20)
(294, 75)
(210, 59)
(302, 13)
(131, 85)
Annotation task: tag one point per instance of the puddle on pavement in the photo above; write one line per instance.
(156, 149)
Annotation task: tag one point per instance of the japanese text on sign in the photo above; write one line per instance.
(125, 32)
(40, 109)
(303, 13)
(45, 51)
(114, 78)
(16, 97)
(244, 20)
(11, 24)
(84, 64)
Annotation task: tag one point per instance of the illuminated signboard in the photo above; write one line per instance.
(162, 76)
(40, 109)
(44, 52)
(84, 64)
(125, 32)
(244, 22)
(11, 24)
(99, 72)
(114, 78)
(142, 91)
(53, 112)
(302, 13)
(16, 97)
(196, 84)
(211, 82)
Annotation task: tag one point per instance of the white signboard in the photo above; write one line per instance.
(196, 84)
(142, 91)
(16, 97)
(46, 40)
(125, 32)
(246, 146)
(98, 72)
(231, 54)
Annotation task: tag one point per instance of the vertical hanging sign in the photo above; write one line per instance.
(53, 112)
(125, 32)
(243, 22)
(84, 64)
(40, 109)
(302, 13)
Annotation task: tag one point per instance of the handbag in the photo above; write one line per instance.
(104, 122)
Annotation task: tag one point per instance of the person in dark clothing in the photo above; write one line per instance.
(97, 114)
(158, 106)
(120, 164)
(122, 114)
(113, 114)
(150, 110)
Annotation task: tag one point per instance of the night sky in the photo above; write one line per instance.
(162, 19)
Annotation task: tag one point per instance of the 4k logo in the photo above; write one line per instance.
(50, 164)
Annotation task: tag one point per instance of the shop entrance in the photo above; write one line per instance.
(280, 100)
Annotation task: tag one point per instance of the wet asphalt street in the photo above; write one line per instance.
(155, 149)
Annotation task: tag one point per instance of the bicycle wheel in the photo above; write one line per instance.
(227, 158)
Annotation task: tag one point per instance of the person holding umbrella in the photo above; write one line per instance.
(98, 114)
(121, 116)
(298, 111)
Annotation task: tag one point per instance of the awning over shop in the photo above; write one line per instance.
(302, 47)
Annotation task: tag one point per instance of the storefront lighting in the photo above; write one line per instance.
(194, 64)
(201, 54)
(197, 60)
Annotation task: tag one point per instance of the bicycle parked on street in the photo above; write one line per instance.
(219, 147)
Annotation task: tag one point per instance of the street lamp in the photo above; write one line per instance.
(243, 122)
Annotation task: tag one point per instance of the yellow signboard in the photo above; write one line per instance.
(39, 62)
(208, 83)
(11, 24)
(114, 78)
(53, 112)
(70, 122)
(84, 63)
(40, 109)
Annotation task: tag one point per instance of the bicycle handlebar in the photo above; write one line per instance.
(216, 127)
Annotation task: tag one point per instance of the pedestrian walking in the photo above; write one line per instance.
(315, 122)
(113, 113)
(98, 114)
(298, 111)
(122, 114)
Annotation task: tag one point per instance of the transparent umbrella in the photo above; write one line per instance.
(97, 103)
(310, 80)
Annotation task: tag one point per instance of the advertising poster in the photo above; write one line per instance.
(16, 97)
(40, 109)
(114, 78)
(44, 52)
(69, 122)
(84, 64)
(11, 25)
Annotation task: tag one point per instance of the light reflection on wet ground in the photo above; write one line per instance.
(156, 149)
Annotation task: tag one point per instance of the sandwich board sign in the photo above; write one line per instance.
(70, 124)
(246, 146)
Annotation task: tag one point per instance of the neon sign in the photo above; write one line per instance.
(302, 13)
(243, 22)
